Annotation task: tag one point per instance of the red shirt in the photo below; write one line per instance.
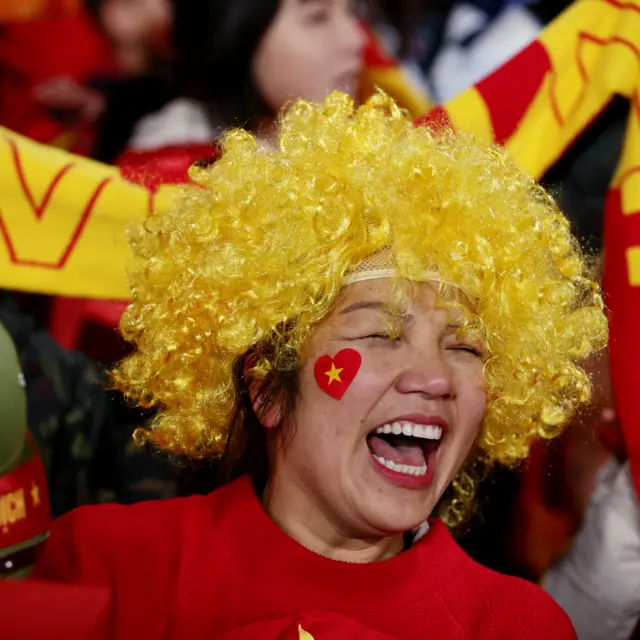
(216, 566)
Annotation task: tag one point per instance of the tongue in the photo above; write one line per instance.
(402, 451)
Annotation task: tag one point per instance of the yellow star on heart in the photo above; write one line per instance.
(304, 635)
(334, 374)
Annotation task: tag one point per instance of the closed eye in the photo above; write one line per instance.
(468, 349)
(318, 12)
(383, 336)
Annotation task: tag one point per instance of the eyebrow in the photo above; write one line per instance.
(452, 327)
(375, 305)
(365, 304)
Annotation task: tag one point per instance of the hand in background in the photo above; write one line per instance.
(67, 94)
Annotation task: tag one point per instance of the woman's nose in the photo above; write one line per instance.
(427, 374)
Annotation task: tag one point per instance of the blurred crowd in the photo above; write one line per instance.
(141, 83)
(101, 76)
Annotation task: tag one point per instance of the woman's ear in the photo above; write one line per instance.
(265, 406)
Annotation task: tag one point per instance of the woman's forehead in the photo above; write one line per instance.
(398, 295)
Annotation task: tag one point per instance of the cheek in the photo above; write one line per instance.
(372, 382)
(123, 25)
(322, 424)
(472, 400)
(290, 66)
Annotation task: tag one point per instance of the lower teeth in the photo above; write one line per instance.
(402, 468)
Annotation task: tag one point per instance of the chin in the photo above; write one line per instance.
(348, 84)
(394, 517)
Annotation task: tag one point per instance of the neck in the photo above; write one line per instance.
(132, 60)
(290, 507)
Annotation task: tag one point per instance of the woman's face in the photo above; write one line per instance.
(135, 22)
(421, 380)
(311, 48)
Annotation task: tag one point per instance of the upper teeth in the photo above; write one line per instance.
(402, 427)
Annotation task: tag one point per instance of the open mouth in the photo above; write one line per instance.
(405, 447)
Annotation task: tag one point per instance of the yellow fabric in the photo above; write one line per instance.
(594, 50)
(469, 111)
(304, 635)
(395, 82)
(594, 53)
(63, 221)
(382, 71)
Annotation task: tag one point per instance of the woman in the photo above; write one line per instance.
(240, 62)
(355, 325)
(598, 581)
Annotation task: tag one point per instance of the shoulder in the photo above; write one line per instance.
(175, 514)
(181, 121)
(524, 610)
(91, 544)
(488, 604)
(136, 556)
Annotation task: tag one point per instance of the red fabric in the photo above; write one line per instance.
(207, 566)
(374, 54)
(35, 610)
(167, 165)
(508, 92)
(36, 51)
(69, 316)
(622, 231)
(436, 120)
(317, 625)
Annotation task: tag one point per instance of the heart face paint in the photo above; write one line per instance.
(335, 375)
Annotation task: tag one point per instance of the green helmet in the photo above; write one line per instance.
(24, 502)
(13, 406)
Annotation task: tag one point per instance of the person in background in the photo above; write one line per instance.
(597, 582)
(238, 63)
(55, 72)
(136, 29)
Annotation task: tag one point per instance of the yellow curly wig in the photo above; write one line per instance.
(260, 248)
